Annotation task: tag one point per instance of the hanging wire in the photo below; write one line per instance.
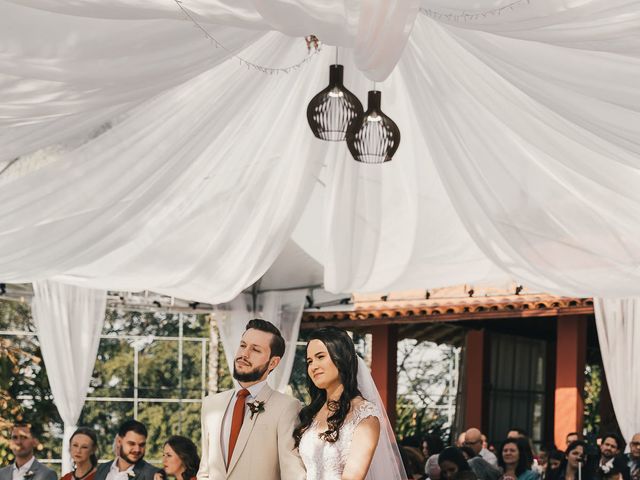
(243, 61)
(465, 16)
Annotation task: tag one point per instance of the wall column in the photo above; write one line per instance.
(384, 361)
(570, 363)
(474, 359)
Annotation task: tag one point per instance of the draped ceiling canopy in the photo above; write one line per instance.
(136, 153)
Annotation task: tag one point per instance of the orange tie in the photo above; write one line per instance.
(236, 422)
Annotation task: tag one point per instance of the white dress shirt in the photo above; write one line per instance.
(116, 474)
(254, 391)
(18, 473)
(489, 457)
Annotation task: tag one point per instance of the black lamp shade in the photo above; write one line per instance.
(373, 137)
(332, 110)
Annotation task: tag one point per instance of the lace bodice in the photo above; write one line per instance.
(324, 460)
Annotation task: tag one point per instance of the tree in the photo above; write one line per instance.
(159, 378)
(28, 395)
(591, 395)
(426, 388)
(26, 392)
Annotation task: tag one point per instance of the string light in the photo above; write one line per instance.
(465, 16)
(247, 63)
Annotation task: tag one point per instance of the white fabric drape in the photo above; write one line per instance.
(375, 31)
(283, 309)
(179, 170)
(68, 323)
(618, 323)
(387, 462)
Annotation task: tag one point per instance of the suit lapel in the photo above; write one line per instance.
(103, 470)
(138, 467)
(35, 466)
(247, 427)
(7, 472)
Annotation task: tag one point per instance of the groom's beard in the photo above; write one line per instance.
(130, 460)
(251, 375)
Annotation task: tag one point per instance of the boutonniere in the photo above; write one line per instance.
(131, 474)
(29, 475)
(605, 468)
(256, 408)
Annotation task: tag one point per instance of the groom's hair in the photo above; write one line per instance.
(277, 342)
(132, 426)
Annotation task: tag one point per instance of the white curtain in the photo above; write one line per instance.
(283, 309)
(172, 167)
(618, 323)
(68, 322)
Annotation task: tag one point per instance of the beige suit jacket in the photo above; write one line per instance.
(265, 447)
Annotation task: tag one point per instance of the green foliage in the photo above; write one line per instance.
(298, 379)
(426, 383)
(591, 396)
(159, 377)
(25, 384)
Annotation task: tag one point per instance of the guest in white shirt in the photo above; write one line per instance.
(129, 464)
(473, 439)
(25, 466)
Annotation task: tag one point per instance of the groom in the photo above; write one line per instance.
(247, 432)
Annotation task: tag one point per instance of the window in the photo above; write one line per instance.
(517, 386)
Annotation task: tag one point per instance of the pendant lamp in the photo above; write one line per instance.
(373, 137)
(332, 110)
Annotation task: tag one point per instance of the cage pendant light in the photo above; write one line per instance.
(373, 137)
(332, 110)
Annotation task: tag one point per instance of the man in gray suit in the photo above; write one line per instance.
(25, 465)
(129, 464)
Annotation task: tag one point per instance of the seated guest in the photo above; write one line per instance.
(473, 439)
(554, 460)
(543, 456)
(611, 447)
(574, 459)
(82, 447)
(614, 473)
(633, 458)
(22, 444)
(482, 469)
(412, 467)
(131, 445)
(180, 459)
(451, 462)
(529, 450)
(513, 458)
(432, 469)
(431, 445)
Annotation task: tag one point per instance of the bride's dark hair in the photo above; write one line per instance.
(343, 355)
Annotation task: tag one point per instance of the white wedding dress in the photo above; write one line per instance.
(324, 460)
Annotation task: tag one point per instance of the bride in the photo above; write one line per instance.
(345, 411)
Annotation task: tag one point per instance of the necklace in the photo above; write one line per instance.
(333, 405)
